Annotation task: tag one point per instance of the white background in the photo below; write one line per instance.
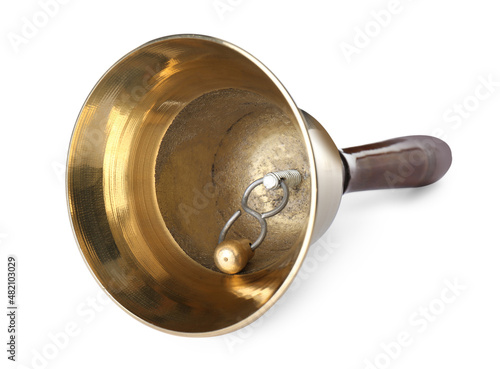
(391, 251)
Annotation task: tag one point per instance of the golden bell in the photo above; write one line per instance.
(162, 151)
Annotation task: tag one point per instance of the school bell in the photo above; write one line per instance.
(196, 185)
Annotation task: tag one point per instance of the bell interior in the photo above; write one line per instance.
(163, 149)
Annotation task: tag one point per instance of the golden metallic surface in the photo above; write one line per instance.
(161, 154)
(231, 256)
(219, 144)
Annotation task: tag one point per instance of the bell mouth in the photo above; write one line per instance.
(161, 154)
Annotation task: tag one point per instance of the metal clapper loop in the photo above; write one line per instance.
(272, 181)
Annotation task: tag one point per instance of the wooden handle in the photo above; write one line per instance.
(411, 161)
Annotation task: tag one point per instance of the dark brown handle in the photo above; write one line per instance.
(411, 161)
